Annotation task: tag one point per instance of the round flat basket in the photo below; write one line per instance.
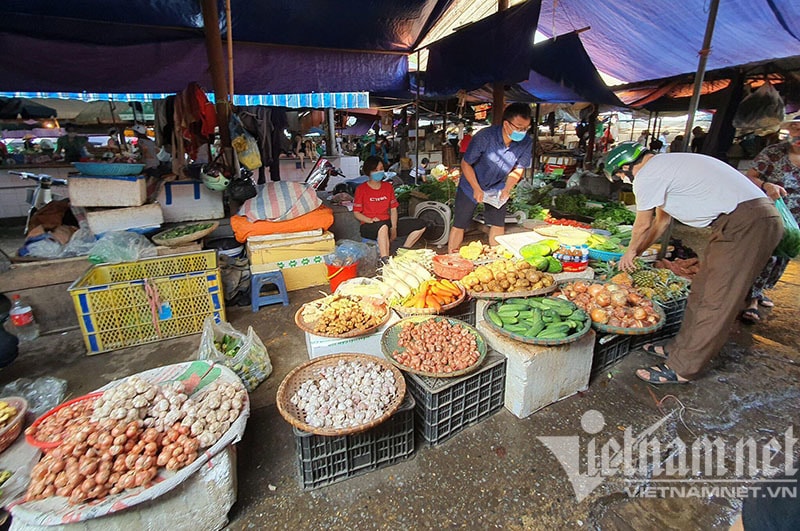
(310, 370)
(390, 343)
(605, 256)
(12, 429)
(662, 320)
(203, 230)
(451, 266)
(511, 294)
(405, 311)
(532, 340)
(110, 169)
(30, 433)
(305, 326)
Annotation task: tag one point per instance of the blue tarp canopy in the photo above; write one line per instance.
(281, 46)
(654, 39)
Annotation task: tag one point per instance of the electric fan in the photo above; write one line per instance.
(437, 216)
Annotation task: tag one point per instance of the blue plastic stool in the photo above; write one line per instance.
(258, 281)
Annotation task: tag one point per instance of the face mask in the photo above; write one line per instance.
(517, 136)
(377, 175)
(794, 140)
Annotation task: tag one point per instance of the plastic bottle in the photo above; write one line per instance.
(25, 325)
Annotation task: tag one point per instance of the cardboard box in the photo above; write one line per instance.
(189, 201)
(101, 221)
(369, 344)
(104, 191)
(299, 257)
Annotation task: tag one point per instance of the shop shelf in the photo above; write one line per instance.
(674, 312)
(132, 303)
(446, 406)
(609, 349)
(324, 460)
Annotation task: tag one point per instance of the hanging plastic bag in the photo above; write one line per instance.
(244, 144)
(789, 246)
(121, 246)
(761, 111)
(244, 354)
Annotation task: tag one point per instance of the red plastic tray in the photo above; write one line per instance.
(30, 439)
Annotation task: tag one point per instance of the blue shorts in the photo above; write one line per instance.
(464, 208)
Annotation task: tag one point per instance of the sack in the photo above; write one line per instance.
(761, 111)
(244, 354)
(280, 201)
(789, 246)
(242, 188)
(244, 144)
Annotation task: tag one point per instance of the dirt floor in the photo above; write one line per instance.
(495, 474)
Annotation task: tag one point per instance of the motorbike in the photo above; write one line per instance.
(41, 195)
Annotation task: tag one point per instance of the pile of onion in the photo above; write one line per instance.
(612, 305)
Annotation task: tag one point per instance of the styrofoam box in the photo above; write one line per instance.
(537, 376)
(189, 201)
(106, 191)
(101, 221)
(369, 344)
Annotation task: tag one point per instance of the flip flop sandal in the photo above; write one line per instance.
(661, 375)
(750, 316)
(650, 348)
(766, 302)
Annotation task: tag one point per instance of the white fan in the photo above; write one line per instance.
(437, 216)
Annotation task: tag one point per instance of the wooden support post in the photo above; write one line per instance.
(498, 90)
(216, 63)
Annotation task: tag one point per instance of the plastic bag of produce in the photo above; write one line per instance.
(789, 246)
(244, 354)
(761, 111)
(245, 145)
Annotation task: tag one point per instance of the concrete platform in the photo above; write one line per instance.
(496, 474)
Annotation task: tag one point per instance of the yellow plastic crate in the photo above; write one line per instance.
(132, 303)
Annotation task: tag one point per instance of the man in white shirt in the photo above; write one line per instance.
(699, 191)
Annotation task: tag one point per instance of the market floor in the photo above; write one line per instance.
(496, 474)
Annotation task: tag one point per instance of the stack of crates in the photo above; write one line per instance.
(132, 303)
(674, 311)
(609, 349)
(445, 406)
(323, 460)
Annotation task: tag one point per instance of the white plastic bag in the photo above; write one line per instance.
(248, 358)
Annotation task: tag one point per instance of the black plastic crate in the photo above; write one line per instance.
(608, 350)
(464, 311)
(674, 312)
(322, 460)
(445, 406)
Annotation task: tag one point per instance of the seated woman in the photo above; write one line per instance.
(375, 206)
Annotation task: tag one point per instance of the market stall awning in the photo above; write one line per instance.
(281, 46)
(24, 109)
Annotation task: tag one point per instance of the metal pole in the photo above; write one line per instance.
(701, 72)
(535, 140)
(330, 149)
(695, 101)
(229, 39)
(416, 122)
(498, 90)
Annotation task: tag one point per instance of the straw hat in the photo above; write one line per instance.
(791, 119)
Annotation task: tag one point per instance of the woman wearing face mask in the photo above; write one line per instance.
(375, 206)
(776, 170)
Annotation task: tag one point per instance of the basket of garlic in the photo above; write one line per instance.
(139, 438)
(340, 394)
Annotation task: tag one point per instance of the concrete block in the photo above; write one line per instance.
(539, 376)
(200, 502)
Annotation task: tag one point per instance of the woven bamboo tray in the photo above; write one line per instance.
(12, 429)
(311, 370)
(187, 238)
(532, 340)
(309, 326)
(390, 339)
(405, 311)
(511, 294)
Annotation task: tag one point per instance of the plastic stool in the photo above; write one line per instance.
(258, 281)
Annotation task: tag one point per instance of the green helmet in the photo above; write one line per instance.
(213, 178)
(622, 155)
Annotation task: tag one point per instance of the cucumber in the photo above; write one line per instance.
(536, 303)
(557, 327)
(534, 329)
(517, 300)
(564, 311)
(516, 329)
(554, 334)
(494, 317)
(508, 320)
(512, 307)
(579, 315)
(526, 314)
(551, 303)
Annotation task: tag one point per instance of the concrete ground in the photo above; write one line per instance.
(496, 474)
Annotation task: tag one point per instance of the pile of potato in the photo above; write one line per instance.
(507, 276)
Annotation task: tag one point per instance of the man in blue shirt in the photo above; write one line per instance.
(494, 163)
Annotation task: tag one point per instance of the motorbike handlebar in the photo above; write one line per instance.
(41, 177)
